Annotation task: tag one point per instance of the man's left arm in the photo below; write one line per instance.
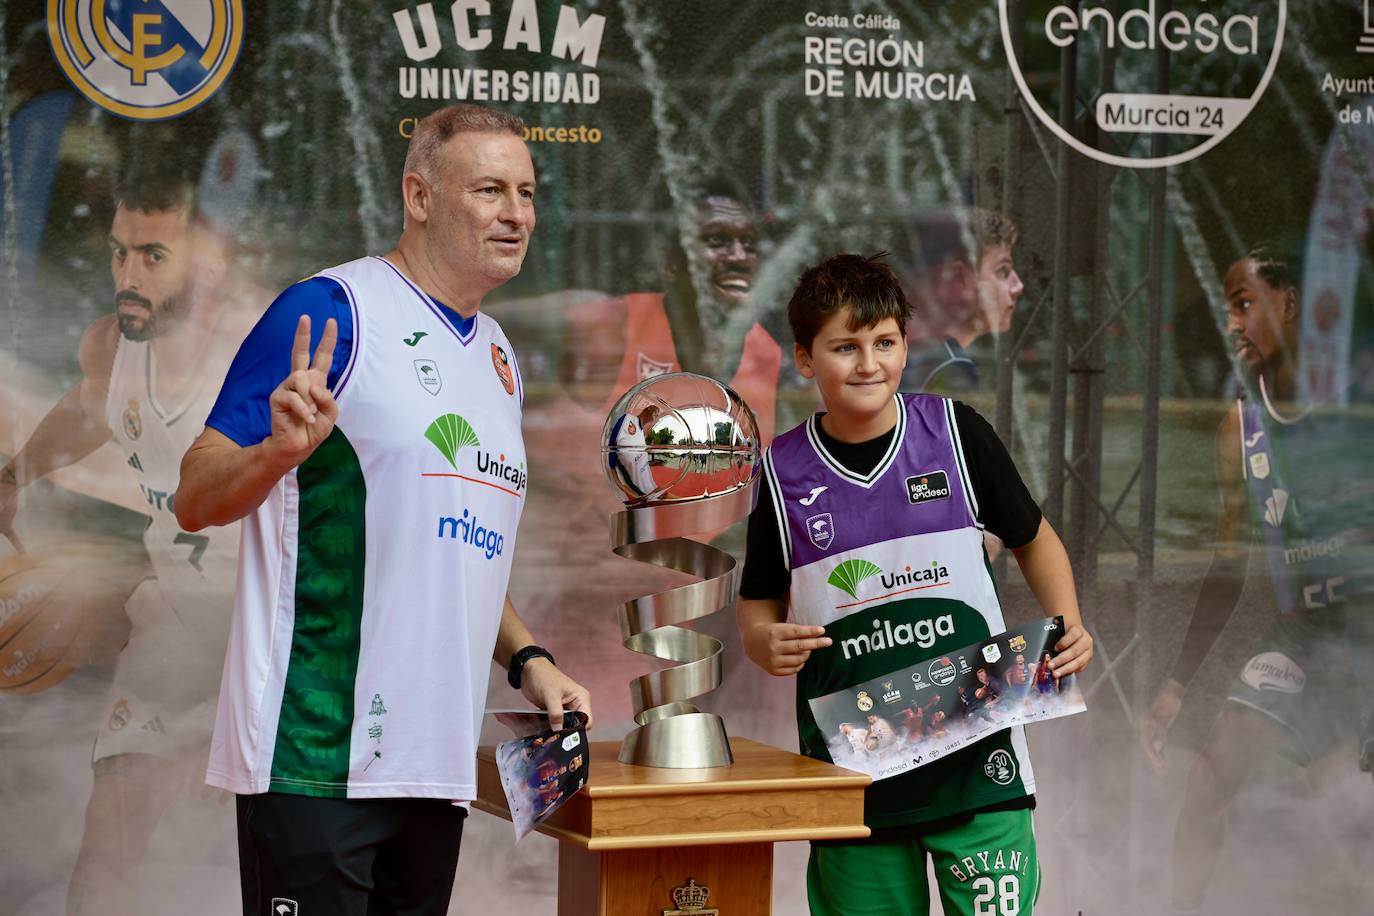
(540, 681)
(1045, 565)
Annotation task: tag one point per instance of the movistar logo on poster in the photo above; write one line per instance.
(472, 25)
(148, 60)
(1221, 56)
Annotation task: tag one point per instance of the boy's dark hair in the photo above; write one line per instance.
(934, 238)
(864, 285)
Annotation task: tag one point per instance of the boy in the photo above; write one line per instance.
(857, 467)
(962, 294)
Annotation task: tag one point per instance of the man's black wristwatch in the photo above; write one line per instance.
(519, 659)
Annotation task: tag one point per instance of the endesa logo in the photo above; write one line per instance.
(1221, 56)
(146, 59)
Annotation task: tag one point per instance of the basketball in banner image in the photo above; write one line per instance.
(55, 617)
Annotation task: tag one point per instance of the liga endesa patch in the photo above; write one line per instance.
(927, 487)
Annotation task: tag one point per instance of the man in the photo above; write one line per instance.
(989, 690)
(629, 462)
(146, 384)
(880, 733)
(1020, 676)
(1299, 473)
(380, 481)
(958, 294)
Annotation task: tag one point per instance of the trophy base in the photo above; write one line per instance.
(683, 742)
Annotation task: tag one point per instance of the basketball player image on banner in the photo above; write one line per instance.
(1294, 480)
(147, 385)
(570, 577)
(960, 293)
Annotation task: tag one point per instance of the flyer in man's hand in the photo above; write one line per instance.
(541, 769)
(929, 710)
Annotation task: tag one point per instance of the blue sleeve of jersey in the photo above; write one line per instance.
(241, 411)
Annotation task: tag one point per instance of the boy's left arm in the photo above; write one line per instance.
(1045, 565)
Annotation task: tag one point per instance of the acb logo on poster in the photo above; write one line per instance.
(146, 59)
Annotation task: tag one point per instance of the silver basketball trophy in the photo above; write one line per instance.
(682, 452)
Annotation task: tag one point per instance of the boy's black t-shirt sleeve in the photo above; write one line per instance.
(1005, 506)
(765, 576)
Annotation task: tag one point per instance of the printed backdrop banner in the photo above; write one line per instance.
(692, 160)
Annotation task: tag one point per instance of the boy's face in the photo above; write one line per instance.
(999, 288)
(857, 371)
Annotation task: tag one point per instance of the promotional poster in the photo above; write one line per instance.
(1135, 239)
(932, 709)
(541, 769)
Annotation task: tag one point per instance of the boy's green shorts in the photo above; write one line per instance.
(987, 867)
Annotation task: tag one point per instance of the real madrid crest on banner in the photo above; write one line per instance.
(146, 60)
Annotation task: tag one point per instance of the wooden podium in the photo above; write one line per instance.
(634, 835)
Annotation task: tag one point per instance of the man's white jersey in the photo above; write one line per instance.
(195, 572)
(372, 579)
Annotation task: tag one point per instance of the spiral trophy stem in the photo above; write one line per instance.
(682, 453)
(672, 732)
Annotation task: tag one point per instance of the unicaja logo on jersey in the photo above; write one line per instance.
(146, 59)
(850, 576)
(496, 466)
(1221, 58)
(451, 434)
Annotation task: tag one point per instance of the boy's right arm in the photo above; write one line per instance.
(776, 646)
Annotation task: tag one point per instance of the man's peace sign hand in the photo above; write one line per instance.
(303, 409)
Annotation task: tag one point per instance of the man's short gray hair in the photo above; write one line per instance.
(440, 126)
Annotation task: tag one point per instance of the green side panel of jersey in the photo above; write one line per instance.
(314, 731)
(972, 777)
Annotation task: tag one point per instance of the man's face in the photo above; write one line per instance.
(999, 288)
(483, 205)
(982, 676)
(872, 720)
(1020, 659)
(1258, 316)
(857, 371)
(726, 242)
(150, 263)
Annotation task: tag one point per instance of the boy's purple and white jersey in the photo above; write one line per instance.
(892, 564)
(908, 529)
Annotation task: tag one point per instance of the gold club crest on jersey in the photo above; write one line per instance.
(690, 900)
(146, 61)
